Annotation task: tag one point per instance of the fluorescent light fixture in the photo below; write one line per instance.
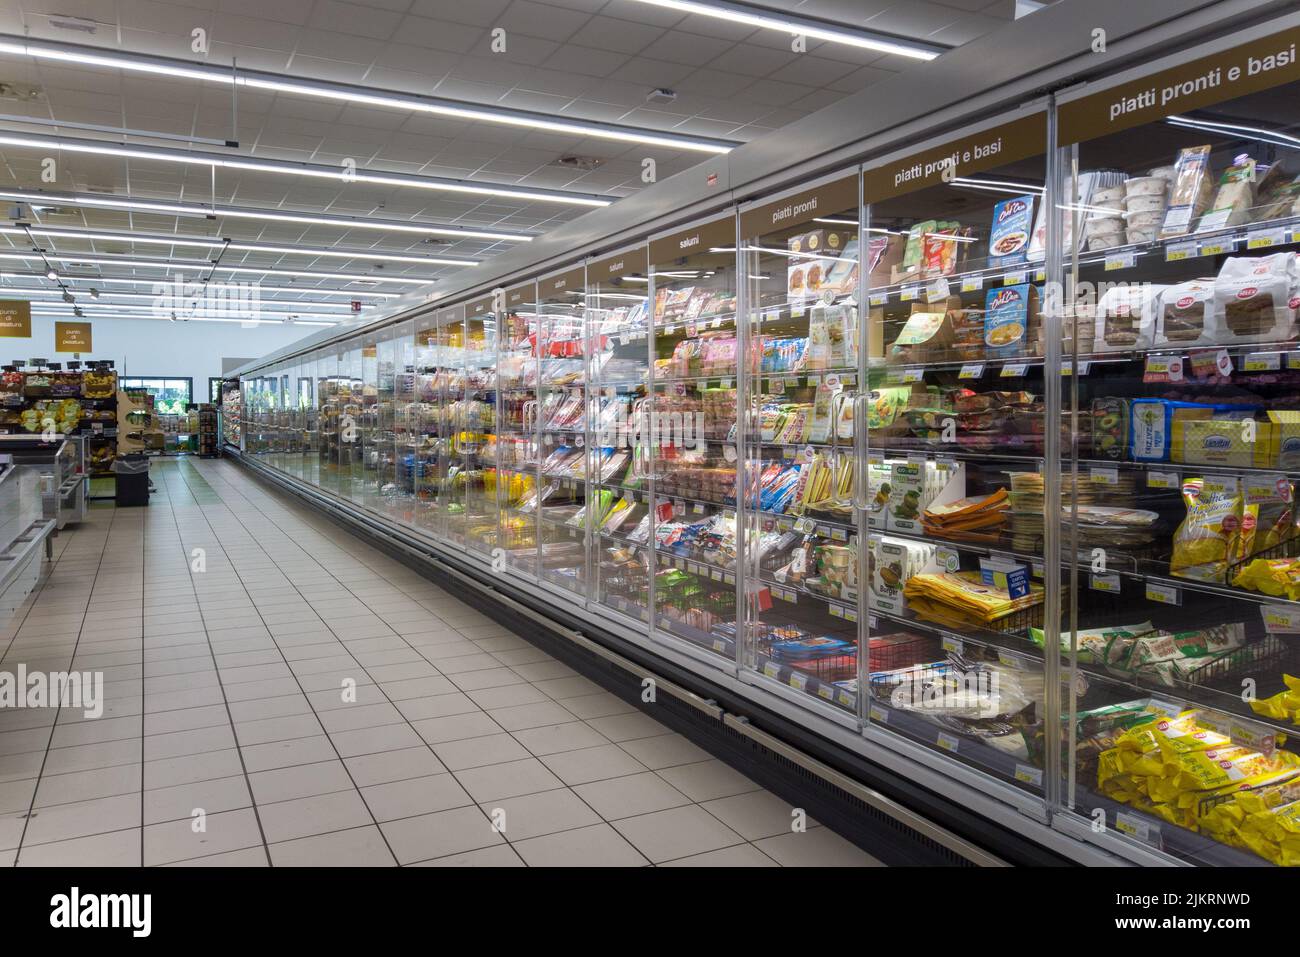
(202, 266)
(1269, 136)
(996, 186)
(294, 290)
(779, 252)
(801, 26)
(215, 242)
(39, 201)
(834, 221)
(286, 168)
(350, 93)
(198, 290)
(242, 322)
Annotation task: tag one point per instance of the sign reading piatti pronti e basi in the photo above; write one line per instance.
(1248, 68)
(15, 318)
(839, 196)
(973, 153)
(691, 242)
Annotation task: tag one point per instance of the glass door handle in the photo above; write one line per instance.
(859, 459)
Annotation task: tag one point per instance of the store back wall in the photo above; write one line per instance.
(149, 347)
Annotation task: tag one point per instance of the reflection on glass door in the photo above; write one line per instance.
(618, 370)
(562, 425)
(518, 441)
(477, 426)
(956, 437)
(691, 521)
(801, 544)
(405, 421)
(432, 442)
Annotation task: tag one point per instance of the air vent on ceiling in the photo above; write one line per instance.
(20, 92)
(584, 163)
(63, 21)
(364, 282)
(435, 241)
(661, 95)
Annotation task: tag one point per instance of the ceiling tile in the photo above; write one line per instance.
(541, 20)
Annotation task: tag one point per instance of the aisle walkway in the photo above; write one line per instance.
(225, 739)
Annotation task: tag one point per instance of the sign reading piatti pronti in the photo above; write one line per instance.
(973, 153)
(839, 196)
(72, 337)
(15, 319)
(560, 285)
(633, 262)
(1248, 68)
(691, 242)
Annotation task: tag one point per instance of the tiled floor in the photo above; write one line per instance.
(226, 619)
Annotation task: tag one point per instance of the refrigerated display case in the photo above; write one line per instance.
(618, 323)
(975, 459)
(800, 546)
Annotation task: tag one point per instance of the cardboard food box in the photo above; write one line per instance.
(929, 334)
(1011, 321)
(1222, 442)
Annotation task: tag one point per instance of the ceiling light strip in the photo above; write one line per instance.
(804, 26)
(287, 168)
(38, 198)
(351, 93)
(204, 265)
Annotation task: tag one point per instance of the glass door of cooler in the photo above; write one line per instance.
(384, 439)
(801, 535)
(310, 419)
(693, 355)
(518, 439)
(329, 402)
(617, 467)
(431, 455)
(451, 334)
(478, 424)
(562, 424)
(294, 419)
(954, 482)
(1182, 542)
(369, 439)
(351, 400)
(405, 421)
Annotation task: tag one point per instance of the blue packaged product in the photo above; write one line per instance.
(805, 648)
(1151, 424)
(1007, 314)
(1013, 222)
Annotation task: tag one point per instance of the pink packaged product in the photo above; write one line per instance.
(720, 356)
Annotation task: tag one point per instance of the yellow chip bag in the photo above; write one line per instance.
(1204, 542)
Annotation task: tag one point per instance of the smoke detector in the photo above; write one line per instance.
(584, 163)
(63, 21)
(661, 95)
(435, 241)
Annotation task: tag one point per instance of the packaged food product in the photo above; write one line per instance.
(1009, 312)
(1153, 423)
(1257, 297)
(1109, 421)
(1234, 197)
(1274, 498)
(1271, 576)
(1126, 317)
(1174, 657)
(1221, 441)
(1188, 314)
(926, 336)
(1285, 438)
(1145, 186)
(1203, 543)
(1276, 195)
(1145, 203)
(1013, 220)
(1190, 193)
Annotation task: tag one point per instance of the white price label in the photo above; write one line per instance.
(837, 611)
(972, 283)
(1103, 475)
(1135, 827)
(908, 293)
(971, 370)
(1067, 368)
(1123, 260)
(1262, 361)
(913, 375)
(1177, 252)
(1281, 619)
(1108, 583)
(1027, 775)
(878, 714)
(1266, 238)
(1165, 368)
(948, 742)
(771, 669)
(953, 643)
(798, 680)
(1164, 594)
(1218, 247)
(1013, 370)
(878, 298)
(937, 291)
(1164, 480)
(1014, 278)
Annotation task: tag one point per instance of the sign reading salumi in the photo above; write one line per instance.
(478, 308)
(838, 196)
(972, 153)
(1249, 68)
(634, 262)
(690, 242)
(516, 296)
(561, 284)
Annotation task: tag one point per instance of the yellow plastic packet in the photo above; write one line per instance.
(1271, 576)
(1204, 542)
